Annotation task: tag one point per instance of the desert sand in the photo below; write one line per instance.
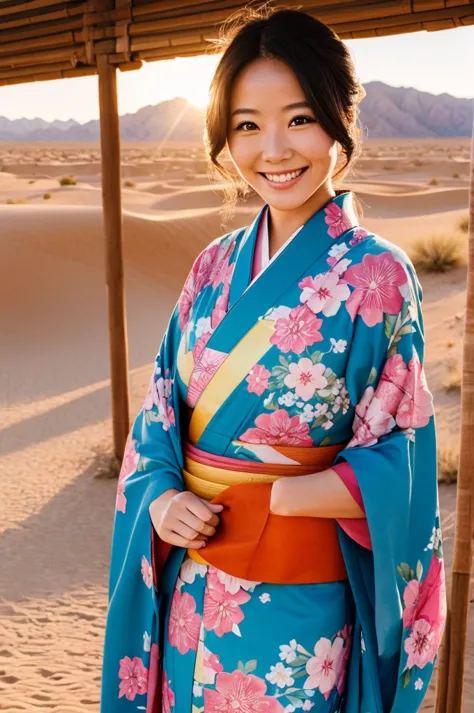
(57, 492)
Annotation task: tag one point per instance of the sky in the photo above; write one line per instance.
(434, 62)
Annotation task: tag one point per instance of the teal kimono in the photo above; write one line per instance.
(324, 346)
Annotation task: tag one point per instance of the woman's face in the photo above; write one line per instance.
(274, 138)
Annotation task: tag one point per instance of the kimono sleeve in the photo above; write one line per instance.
(151, 465)
(398, 587)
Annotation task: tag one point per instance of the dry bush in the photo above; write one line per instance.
(463, 223)
(67, 181)
(456, 175)
(47, 196)
(417, 162)
(433, 182)
(437, 253)
(447, 465)
(450, 344)
(129, 184)
(454, 378)
(32, 181)
(17, 201)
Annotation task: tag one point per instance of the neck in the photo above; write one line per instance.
(283, 223)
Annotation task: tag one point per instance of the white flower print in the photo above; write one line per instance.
(328, 424)
(307, 705)
(279, 312)
(287, 399)
(338, 346)
(320, 409)
(338, 250)
(146, 641)
(341, 266)
(418, 684)
(190, 569)
(265, 598)
(289, 708)
(288, 653)
(234, 584)
(203, 325)
(435, 539)
(197, 690)
(308, 414)
(280, 675)
(410, 434)
(267, 401)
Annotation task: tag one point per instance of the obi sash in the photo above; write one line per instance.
(251, 543)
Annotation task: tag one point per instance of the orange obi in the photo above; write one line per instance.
(252, 543)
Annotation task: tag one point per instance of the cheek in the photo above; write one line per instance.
(243, 152)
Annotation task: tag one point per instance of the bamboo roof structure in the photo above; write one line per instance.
(51, 39)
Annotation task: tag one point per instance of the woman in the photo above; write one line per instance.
(276, 542)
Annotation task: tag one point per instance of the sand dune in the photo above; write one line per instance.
(57, 501)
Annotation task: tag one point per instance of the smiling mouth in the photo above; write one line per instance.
(283, 177)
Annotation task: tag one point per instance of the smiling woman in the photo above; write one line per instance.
(276, 543)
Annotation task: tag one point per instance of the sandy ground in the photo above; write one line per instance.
(57, 502)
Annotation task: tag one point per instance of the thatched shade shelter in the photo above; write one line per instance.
(53, 39)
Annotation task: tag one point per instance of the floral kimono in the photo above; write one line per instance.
(319, 348)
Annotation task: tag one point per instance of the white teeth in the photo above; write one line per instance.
(282, 178)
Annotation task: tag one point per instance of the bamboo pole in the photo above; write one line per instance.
(451, 675)
(112, 208)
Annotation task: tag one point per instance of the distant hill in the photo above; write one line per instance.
(392, 112)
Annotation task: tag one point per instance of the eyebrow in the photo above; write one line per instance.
(296, 105)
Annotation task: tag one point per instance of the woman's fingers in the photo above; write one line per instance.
(183, 529)
(174, 538)
(198, 525)
(200, 508)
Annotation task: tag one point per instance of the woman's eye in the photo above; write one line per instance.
(303, 120)
(246, 123)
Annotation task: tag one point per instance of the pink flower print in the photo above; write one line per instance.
(337, 219)
(239, 693)
(221, 608)
(336, 252)
(297, 331)
(305, 377)
(390, 388)
(416, 406)
(426, 599)
(278, 429)
(376, 279)
(129, 465)
(133, 678)
(421, 645)
(200, 344)
(167, 695)
(184, 623)
(258, 379)
(202, 274)
(370, 421)
(147, 572)
(212, 666)
(324, 293)
(359, 235)
(185, 301)
(152, 679)
(323, 669)
(204, 369)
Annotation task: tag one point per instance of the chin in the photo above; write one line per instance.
(285, 202)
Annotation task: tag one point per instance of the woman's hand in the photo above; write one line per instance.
(184, 519)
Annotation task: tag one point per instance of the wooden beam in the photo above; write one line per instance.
(112, 208)
(451, 670)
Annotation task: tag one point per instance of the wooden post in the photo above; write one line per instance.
(451, 673)
(112, 208)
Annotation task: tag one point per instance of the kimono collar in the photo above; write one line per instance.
(328, 223)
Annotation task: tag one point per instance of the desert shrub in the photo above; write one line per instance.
(46, 196)
(433, 182)
(129, 184)
(17, 201)
(456, 175)
(454, 378)
(417, 162)
(437, 253)
(32, 181)
(388, 168)
(67, 181)
(447, 465)
(463, 223)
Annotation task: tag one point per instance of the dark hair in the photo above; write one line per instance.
(321, 62)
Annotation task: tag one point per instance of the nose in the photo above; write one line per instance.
(275, 146)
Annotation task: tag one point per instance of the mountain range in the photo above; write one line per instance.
(385, 111)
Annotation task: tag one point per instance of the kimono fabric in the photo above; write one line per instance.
(272, 368)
